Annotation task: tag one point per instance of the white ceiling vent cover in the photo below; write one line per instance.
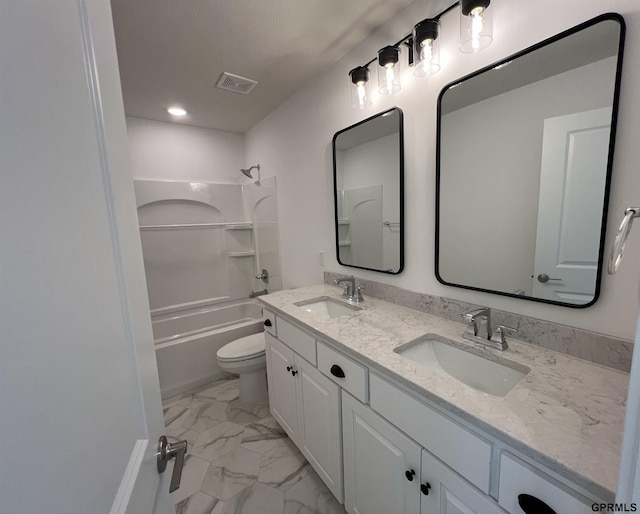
(235, 83)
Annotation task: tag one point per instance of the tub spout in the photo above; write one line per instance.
(253, 294)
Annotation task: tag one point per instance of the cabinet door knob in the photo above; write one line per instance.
(532, 505)
(267, 323)
(336, 371)
(410, 474)
(289, 368)
(425, 488)
(294, 372)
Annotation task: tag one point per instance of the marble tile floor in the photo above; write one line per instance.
(239, 460)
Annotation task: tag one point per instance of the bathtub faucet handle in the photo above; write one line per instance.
(264, 276)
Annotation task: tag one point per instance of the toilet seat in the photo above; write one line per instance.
(243, 349)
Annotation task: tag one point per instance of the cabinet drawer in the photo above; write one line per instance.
(299, 341)
(466, 453)
(356, 377)
(269, 322)
(517, 477)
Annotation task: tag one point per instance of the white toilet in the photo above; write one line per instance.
(246, 357)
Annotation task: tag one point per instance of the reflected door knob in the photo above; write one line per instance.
(543, 278)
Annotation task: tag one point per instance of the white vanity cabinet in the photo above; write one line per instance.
(381, 464)
(387, 472)
(307, 406)
(385, 449)
(443, 491)
(281, 384)
(518, 478)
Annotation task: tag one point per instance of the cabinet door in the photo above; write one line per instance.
(319, 424)
(443, 491)
(381, 464)
(282, 389)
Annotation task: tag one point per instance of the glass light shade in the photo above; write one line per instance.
(388, 70)
(427, 48)
(476, 25)
(360, 90)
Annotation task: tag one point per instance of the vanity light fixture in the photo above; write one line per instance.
(176, 111)
(389, 70)
(476, 27)
(476, 33)
(360, 95)
(427, 47)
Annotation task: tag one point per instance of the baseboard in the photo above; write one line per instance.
(187, 386)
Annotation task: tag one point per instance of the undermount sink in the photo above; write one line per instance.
(327, 307)
(495, 375)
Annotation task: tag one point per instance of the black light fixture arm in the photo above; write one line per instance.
(408, 39)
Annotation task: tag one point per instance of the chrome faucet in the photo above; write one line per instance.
(481, 333)
(472, 320)
(350, 291)
(253, 294)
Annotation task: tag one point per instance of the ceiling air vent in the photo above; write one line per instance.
(235, 83)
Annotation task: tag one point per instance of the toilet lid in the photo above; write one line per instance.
(243, 348)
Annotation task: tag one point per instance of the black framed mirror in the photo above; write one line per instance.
(368, 189)
(524, 158)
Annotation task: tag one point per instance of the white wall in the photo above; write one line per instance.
(171, 151)
(501, 160)
(294, 143)
(370, 164)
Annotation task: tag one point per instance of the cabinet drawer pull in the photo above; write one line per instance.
(532, 505)
(410, 475)
(267, 323)
(425, 488)
(336, 371)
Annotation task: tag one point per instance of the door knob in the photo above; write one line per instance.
(166, 452)
(409, 475)
(424, 488)
(543, 277)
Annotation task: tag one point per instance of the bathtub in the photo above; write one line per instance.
(186, 342)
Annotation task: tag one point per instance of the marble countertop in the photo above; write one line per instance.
(567, 414)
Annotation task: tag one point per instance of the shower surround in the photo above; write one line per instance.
(203, 246)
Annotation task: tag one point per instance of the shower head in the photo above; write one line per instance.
(247, 172)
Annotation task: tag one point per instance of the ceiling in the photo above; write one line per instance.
(173, 52)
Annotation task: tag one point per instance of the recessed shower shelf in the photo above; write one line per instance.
(241, 254)
(242, 225)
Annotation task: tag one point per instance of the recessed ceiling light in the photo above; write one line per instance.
(177, 111)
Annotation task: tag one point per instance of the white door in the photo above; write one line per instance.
(381, 464)
(364, 211)
(573, 174)
(282, 385)
(80, 411)
(319, 424)
(445, 492)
